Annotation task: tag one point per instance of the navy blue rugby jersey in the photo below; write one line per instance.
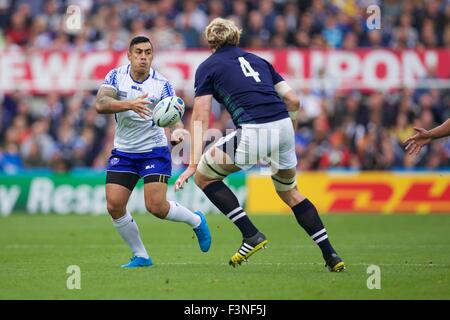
(244, 83)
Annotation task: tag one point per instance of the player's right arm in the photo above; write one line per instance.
(107, 102)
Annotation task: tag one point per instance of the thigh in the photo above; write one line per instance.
(119, 186)
(285, 183)
(155, 199)
(285, 180)
(155, 192)
(121, 178)
(215, 164)
(116, 199)
(286, 173)
(223, 161)
(156, 173)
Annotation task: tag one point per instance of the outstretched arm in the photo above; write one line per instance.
(441, 131)
(199, 125)
(415, 143)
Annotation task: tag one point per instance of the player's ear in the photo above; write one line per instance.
(129, 54)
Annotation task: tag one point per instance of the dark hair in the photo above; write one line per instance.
(139, 39)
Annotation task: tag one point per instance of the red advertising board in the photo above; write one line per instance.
(40, 72)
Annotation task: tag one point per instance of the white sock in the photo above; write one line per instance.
(179, 213)
(129, 231)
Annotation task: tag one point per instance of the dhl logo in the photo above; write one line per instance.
(374, 192)
(420, 197)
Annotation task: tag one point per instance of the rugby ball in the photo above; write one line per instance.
(168, 111)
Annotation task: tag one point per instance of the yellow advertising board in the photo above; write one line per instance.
(367, 192)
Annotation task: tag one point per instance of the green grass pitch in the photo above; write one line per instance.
(413, 253)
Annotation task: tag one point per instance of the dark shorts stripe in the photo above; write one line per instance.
(125, 179)
(162, 178)
(285, 183)
(209, 166)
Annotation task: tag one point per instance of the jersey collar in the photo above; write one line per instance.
(226, 48)
(139, 82)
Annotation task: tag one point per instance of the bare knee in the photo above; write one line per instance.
(291, 197)
(115, 210)
(158, 209)
(201, 181)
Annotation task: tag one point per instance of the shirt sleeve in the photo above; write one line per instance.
(111, 80)
(167, 91)
(275, 75)
(203, 84)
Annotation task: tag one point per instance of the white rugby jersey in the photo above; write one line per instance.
(133, 133)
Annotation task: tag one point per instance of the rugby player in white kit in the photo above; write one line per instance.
(141, 150)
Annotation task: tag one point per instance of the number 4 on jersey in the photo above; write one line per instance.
(248, 70)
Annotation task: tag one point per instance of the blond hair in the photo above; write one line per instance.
(221, 32)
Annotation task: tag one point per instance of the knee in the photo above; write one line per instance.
(291, 197)
(115, 210)
(158, 209)
(200, 180)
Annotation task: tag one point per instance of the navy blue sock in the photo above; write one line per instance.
(225, 200)
(308, 217)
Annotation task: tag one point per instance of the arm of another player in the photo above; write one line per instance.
(107, 102)
(415, 143)
(199, 125)
(291, 100)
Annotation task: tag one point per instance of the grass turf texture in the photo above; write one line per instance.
(412, 252)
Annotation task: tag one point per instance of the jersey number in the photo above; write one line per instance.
(248, 70)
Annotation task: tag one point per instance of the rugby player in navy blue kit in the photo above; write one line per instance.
(258, 100)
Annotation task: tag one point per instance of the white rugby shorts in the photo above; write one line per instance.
(271, 143)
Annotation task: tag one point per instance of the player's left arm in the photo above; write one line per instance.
(291, 100)
(199, 125)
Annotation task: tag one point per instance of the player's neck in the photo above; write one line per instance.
(138, 76)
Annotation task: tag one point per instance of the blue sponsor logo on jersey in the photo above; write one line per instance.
(133, 87)
(114, 161)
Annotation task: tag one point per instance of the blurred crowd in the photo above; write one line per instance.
(109, 24)
(346, 130)
(337, 129)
